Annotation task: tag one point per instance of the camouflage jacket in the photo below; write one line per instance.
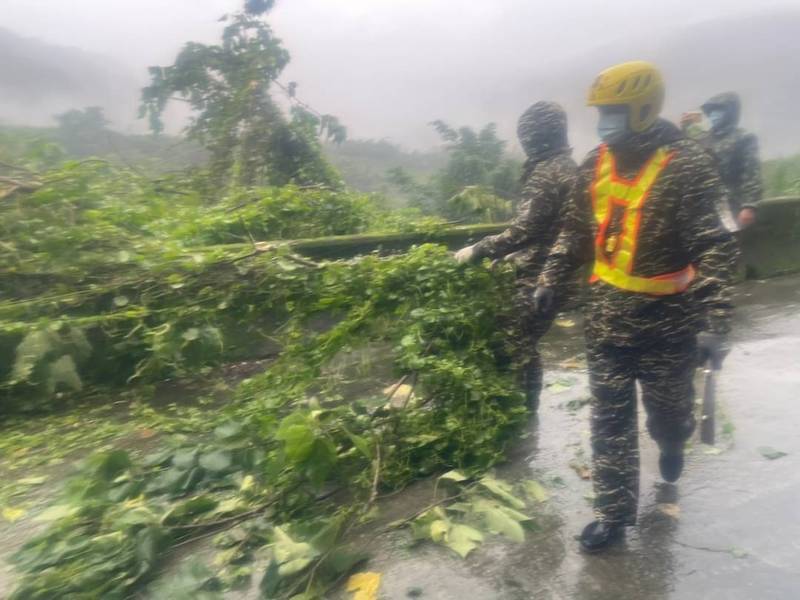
(680, 225)
(736, 154)
(540, 214)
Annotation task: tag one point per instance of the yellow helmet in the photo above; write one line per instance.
(637, 85)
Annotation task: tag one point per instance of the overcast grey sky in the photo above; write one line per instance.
(382, 64)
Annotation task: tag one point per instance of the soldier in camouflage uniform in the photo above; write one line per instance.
(736, 154)
(547, 177)
(644, 213)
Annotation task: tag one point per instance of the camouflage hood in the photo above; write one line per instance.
(542, 131)
(728, 102)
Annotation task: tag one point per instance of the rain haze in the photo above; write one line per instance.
(387, 68)
(327, 299)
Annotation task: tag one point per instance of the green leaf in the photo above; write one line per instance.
(63, 372)
(463, 539)
(217, 461)
(298, 438)
(139, 515)
(361, 444)
(771, 453)
(191, 334)
(341, 561)
(191, 582)
(34, 348)
(31, 481)
(535, 490)
(271, 582)
(149, 543)
(421, 526)
(54, 513)
(328, 536)
(171, 480)
(157, 459)
(498, 521)
(184, 512)
(185, 458)
(110, 465)
(502, 491)
(292, 556)
(439, 530)
(456, 476)
(230, 506)
(12, 514)
(228, 430)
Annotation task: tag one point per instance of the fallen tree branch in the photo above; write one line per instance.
(377, 475)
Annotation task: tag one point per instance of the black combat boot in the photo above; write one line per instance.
(671, 461)
(597, 535)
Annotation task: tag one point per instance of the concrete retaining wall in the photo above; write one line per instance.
(770, 248)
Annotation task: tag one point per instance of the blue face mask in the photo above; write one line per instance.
(716, 117)
(612, 126)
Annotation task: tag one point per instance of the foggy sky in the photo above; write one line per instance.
(388, 67)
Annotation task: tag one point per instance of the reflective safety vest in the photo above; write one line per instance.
(615, 254)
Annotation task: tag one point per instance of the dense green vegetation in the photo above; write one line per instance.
(478, 183)
(298, 431)
(134, 277)
(367, 165)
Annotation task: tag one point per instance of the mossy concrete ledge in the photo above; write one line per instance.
(771, 247)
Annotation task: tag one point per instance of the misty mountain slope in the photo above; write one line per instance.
(38, 80)
(756, 56)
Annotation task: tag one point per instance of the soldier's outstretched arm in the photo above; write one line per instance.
(538, 206)
(751, 188)
(712, 248)
(573, 247)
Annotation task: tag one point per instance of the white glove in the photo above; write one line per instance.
(465, 255)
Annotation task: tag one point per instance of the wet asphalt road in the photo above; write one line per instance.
(730, 529)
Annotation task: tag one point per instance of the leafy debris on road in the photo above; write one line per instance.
(771, 453)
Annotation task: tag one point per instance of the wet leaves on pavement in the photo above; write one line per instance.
(364, 585)
(535, 490)
(673, 511)
(581, 468)
(771, 453)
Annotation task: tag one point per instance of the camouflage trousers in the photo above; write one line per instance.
(525, 330)
(665, 371)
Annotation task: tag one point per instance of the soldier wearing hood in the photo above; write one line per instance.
(643, 213)
(736, 154)
(547, 178)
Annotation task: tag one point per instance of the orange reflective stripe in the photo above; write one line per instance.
(607, 189)
(663, 285)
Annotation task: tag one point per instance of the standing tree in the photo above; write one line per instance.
(250, 139)
(478, 182)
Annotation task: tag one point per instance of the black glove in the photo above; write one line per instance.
(543, 299)
(712, 348)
